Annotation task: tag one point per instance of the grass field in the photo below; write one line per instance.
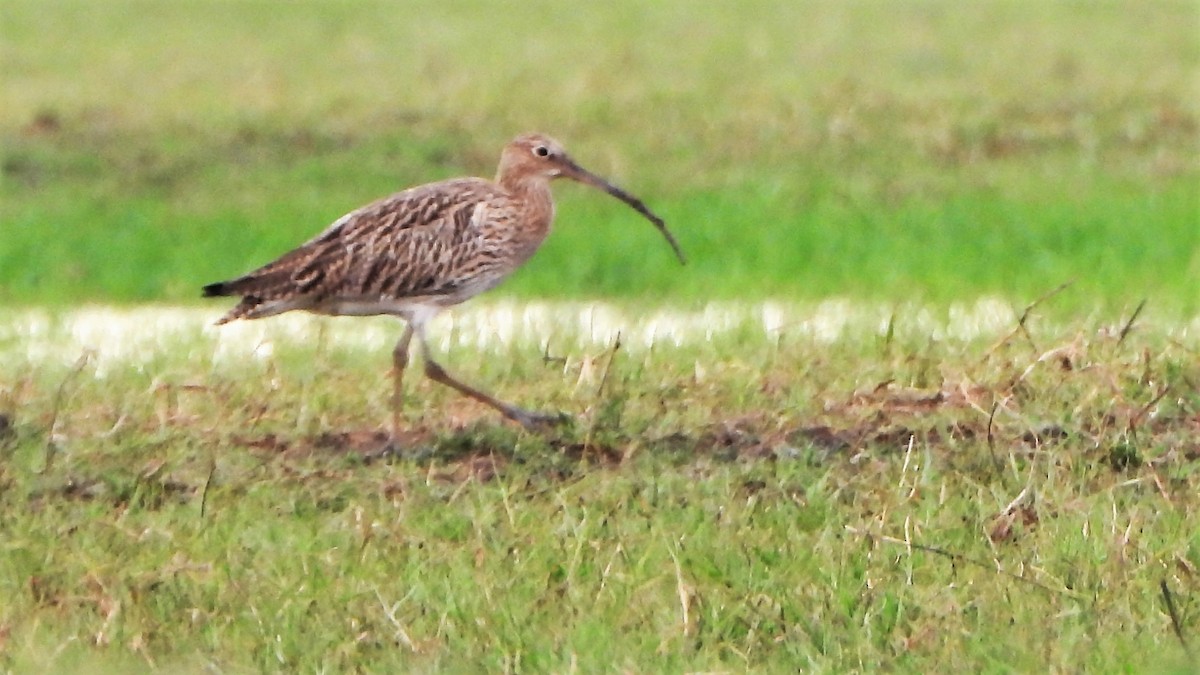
(898, 151)
(798, 488)
(835, 441)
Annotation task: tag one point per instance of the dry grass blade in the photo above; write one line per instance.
(1022, 328)
(1136, 420)
(1129, 324)
(212, 469)
(612, 355)
(686, 593)
(991, 439)
(59, 396)
(1169, 601)
(959, 557)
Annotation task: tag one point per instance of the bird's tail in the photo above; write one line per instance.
(217, 290)
(227, 288)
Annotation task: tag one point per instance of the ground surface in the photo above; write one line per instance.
(920, 491)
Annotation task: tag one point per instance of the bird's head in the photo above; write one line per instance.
(534, 157)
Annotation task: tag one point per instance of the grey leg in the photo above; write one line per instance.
(435, 372)
(399, 363)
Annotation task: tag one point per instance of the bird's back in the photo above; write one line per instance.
(437, 244)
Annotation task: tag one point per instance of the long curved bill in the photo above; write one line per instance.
(573, 170)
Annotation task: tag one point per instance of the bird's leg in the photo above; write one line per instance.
(399, 363)
(526, 418)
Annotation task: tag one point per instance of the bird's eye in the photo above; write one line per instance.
(541, 151)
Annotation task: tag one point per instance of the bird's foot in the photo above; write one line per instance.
(536, 421)
(390, 449)
(395, 447)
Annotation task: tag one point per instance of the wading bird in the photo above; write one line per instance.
(422, 250)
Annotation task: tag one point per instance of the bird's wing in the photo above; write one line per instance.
(404, 245)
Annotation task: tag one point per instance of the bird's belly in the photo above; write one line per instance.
(403, 307)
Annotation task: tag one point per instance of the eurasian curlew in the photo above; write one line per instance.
(422, 250)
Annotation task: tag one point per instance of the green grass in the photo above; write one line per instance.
(736, 504)
(897, 498)
(881, 151)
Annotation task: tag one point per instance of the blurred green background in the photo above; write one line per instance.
(927, 151)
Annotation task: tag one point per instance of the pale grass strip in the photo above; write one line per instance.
(137, 335)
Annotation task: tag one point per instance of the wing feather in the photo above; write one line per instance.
(411, 243)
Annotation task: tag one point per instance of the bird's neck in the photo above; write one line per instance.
(533, 193)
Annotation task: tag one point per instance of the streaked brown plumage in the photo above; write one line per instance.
(424, 249)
